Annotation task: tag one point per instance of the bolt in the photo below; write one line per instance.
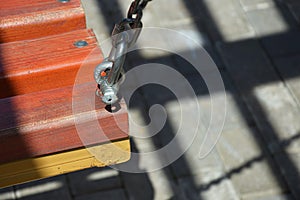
(64, 1)
(80, 43)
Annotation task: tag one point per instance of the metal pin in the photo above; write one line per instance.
(80, 43)
(64, 1)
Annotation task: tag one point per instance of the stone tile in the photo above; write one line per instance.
(50, 188)
(235, 25)
(94, 179)
(156, 180)
(138, 186)
(105, 195)
(290, 1)
(192, 162)
(188, 189)
(166, 13)
(290, 167)
(289, 68)
(163, 185)
(184, 134)
(256, 4)
(250, 168)
(282, 44)
(96, 20)
(237, 114)
(207, 186)
(151, 181)
(295, 10)
(192, 48)
(269, 197)
(266, 96)
(268, 21)
(7, 193)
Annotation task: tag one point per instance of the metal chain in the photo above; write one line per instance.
(136, 8)
(108, 74)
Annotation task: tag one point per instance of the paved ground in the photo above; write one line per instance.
(256, 45)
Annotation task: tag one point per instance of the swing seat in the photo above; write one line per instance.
(39, 62)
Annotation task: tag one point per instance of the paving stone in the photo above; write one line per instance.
(256, 4)
(290, 167)
(191, 162)
(209, 180)
(138, 186)
(237, 114)
(268, 21)
(235, 25)
(269, 197)
(289, 68)
(270, 102)
(275, 111)
(139, 123)
(192, 47)
(50, 188)
(289, 1)
(163, 13)
(282, 44)
(96, 20)
(7, 193)
(204, 186)
(105, 195)
(156, 184)
(94, 179)
(250, 168)
(295, 10)
(163, 185)
(112, 12)
(151, 185)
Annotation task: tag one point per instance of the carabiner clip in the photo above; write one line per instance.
(108, 73)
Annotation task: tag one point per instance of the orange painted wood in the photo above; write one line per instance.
(44, 63)
(42, 123)
(38, 67)
(29, 19)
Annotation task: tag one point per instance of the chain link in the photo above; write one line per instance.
(108, 74)
(136, 8)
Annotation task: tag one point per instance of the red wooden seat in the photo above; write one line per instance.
(38, 67)
(28, 19)
(44, 63)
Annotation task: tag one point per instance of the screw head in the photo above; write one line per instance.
(64, 1)
(80, 43)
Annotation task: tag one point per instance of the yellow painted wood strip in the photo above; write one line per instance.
(51, 165)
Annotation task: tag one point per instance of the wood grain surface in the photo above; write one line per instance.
(44, 63)
(42, 167)
(48, 105)
(44, 123)
(28, 19)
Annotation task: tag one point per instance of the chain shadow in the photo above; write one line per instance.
(204, 21)
(112, 13)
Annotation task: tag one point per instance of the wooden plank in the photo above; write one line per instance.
(43, 123)
(28, 19)
(51, 165)
(45, 63)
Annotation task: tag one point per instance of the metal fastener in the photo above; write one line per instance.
(64, 1)
(80, 43)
